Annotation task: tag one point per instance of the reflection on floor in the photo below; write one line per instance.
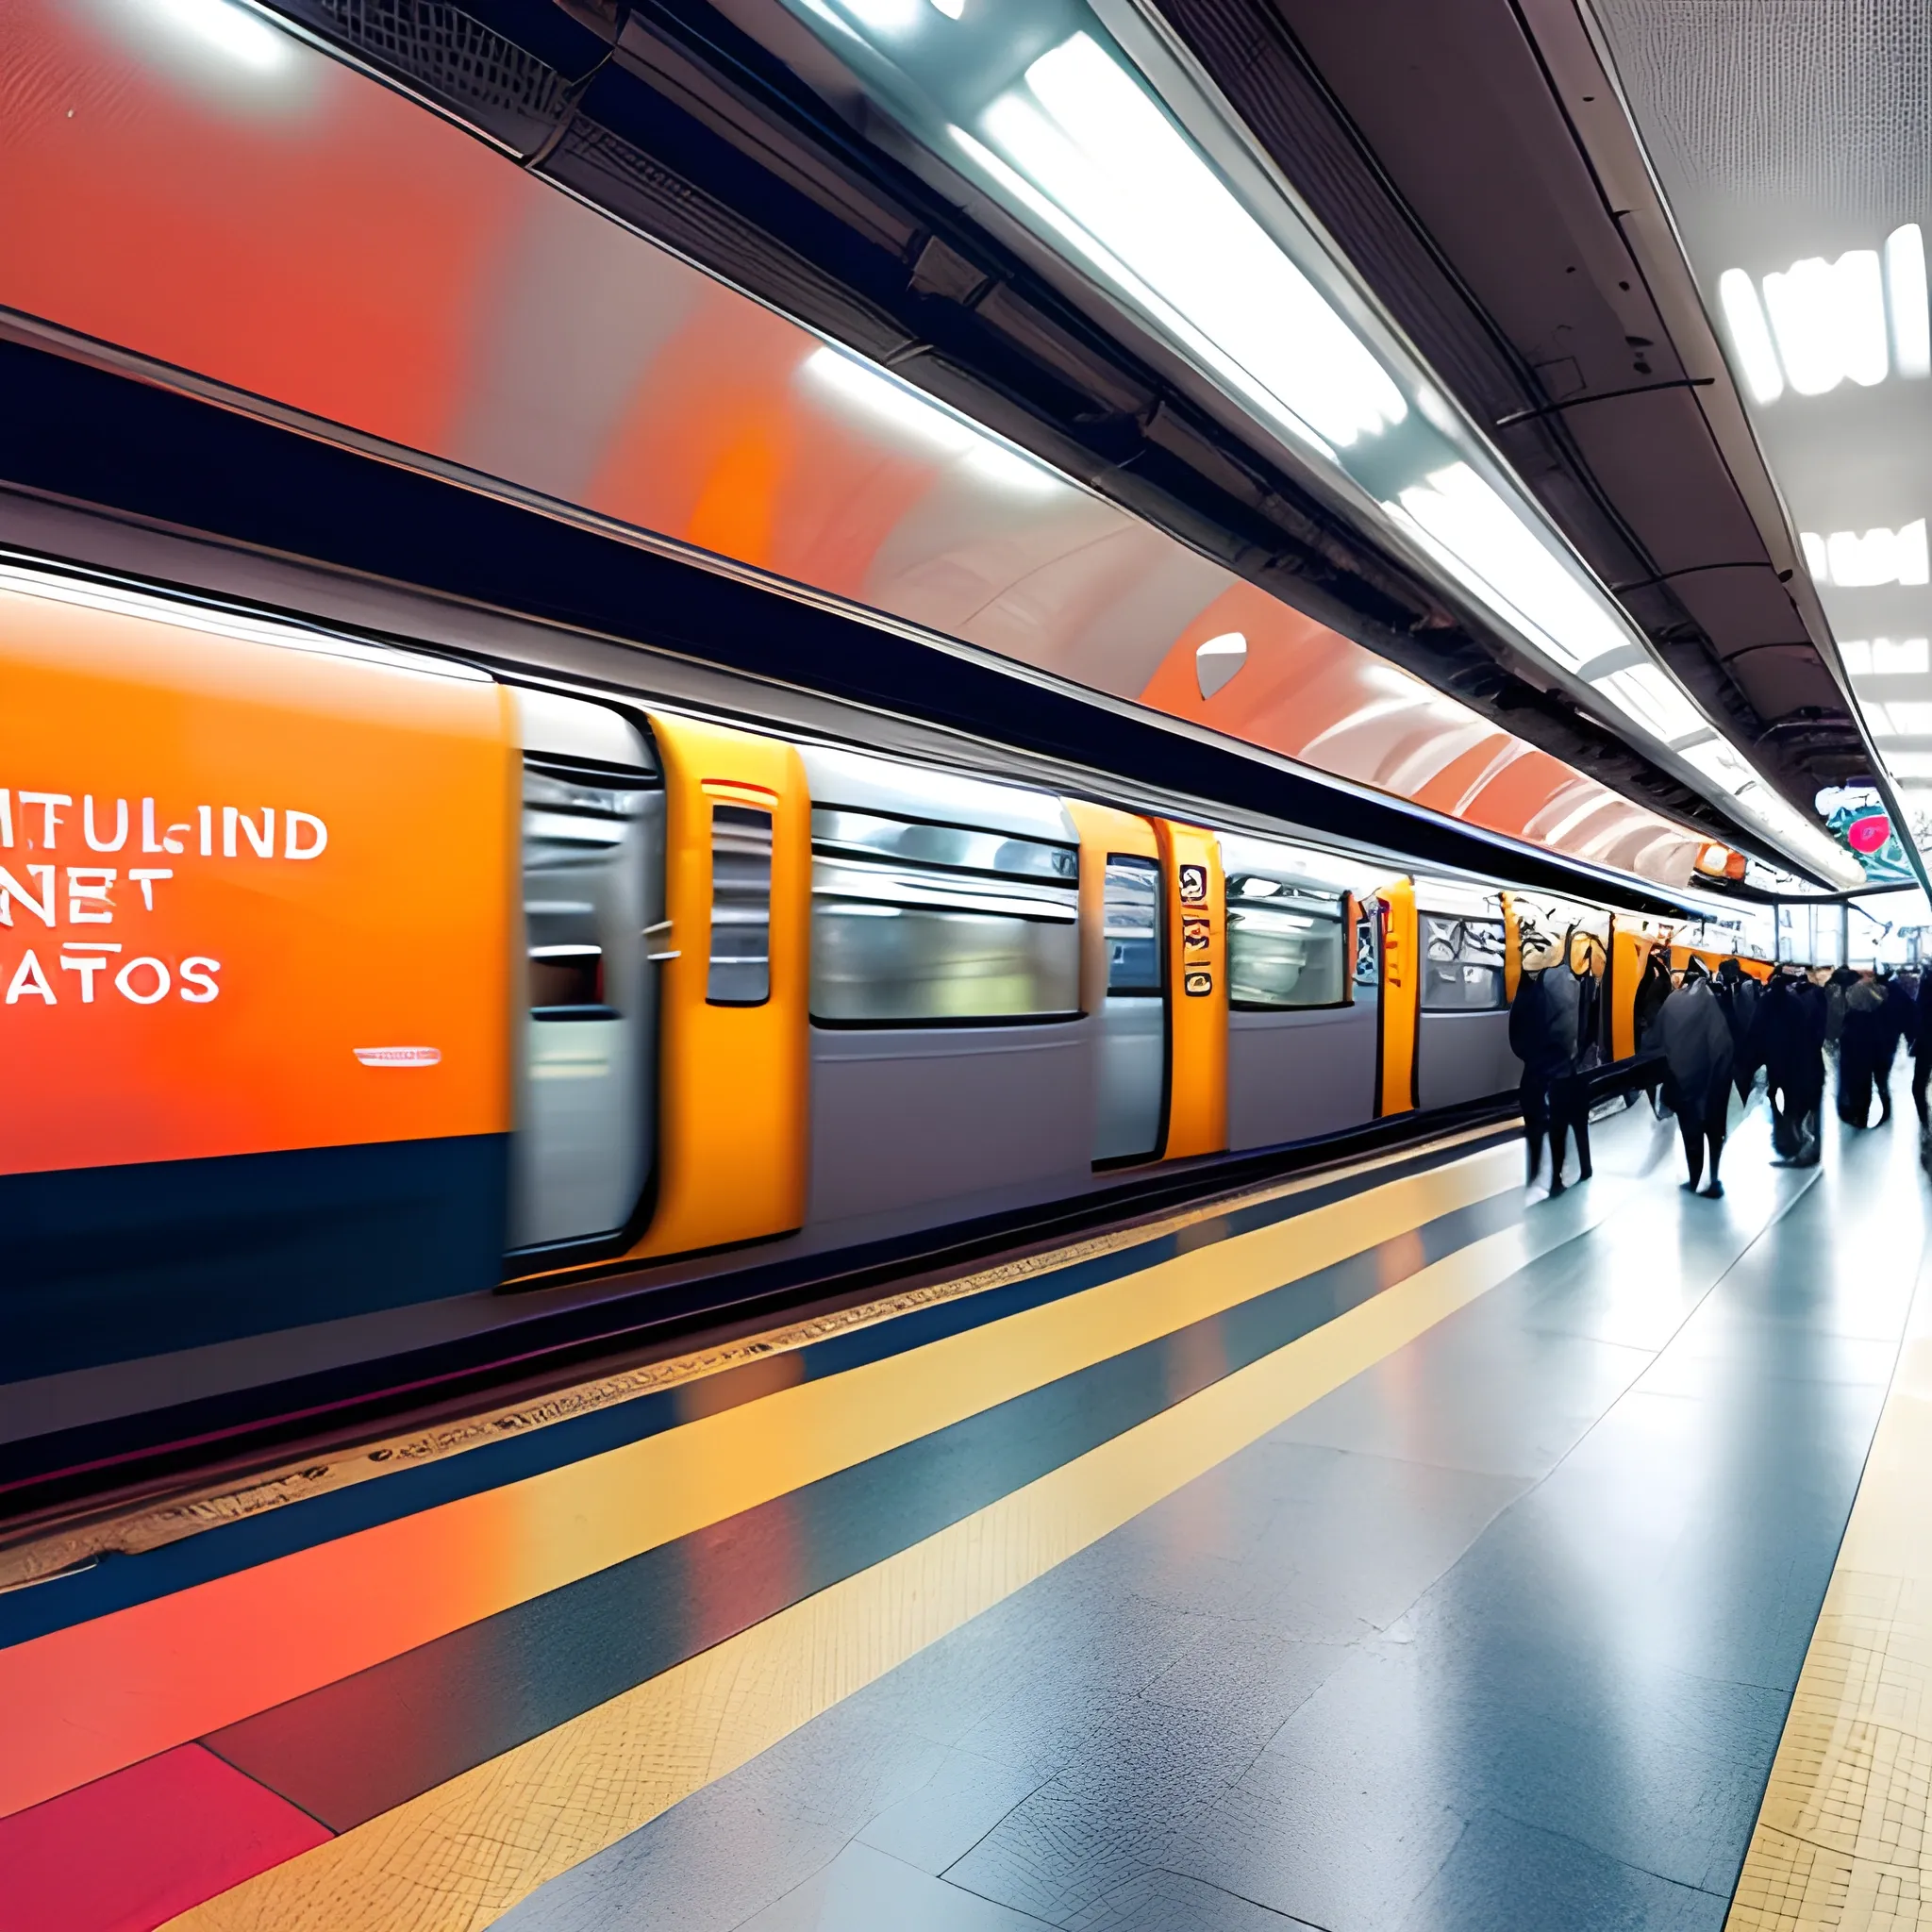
(1396, 1550)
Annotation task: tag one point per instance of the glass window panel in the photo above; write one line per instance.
(740, 972)
(870, 835)
(1132, 915)
(1285, 946)
(907, 965)
(1462, 964)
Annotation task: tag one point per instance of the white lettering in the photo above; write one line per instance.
(87, 961)
(199, 971)
(263, 842)
(167, 843)
(123, 981)
(205, 813)
(50, 817)
(86, 895)
(11, 889)
(290, 848)
(28, 978)
(5, 816)
(87, 826)
(145, 876)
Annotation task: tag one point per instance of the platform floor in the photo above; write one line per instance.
(1395, 1550)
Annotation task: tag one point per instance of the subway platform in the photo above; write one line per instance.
(1394, 1547)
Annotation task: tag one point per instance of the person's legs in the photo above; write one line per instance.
(1784, 1121)
(1922, 1065)
(1881, 1084)
(1536, 1122)
(1570, 1117)
(1715, 1121)
(1692, 1128)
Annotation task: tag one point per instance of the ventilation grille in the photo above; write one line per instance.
(1805, 107)
(448, 54)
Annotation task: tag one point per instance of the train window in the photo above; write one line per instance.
(953, 848)
(567, 982)
(1132, 912)
(592, 840)
(1462, 964)
(740, 972)
(1368, 966)
(917, 925)
(1286, 945)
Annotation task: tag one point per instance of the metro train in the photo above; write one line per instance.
(339, 975)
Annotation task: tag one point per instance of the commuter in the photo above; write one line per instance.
(1922, 1051)
(1653, 990)
(1837, 984)
(1737, 993)
(1899, 1026)
(1786, 1040)
(1859, 1042)
(1569, 1089)
(1696, 1042)
(1542, 1035)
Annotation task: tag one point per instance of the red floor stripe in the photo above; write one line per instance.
(128, 1851)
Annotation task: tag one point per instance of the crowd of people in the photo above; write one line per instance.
(1702, 1035)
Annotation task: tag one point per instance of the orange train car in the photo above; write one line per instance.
(337, 977)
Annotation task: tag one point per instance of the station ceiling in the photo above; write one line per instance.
(271, 219)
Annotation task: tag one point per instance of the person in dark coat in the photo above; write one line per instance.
(1737, 993)
(1786, 1040)
(1569, 1089)
(1899, 1019)
(1696, 1042)
(1543, 1035)
(1922, 1048)
(1653, 989)
(1836, 985)
(1860, 1041)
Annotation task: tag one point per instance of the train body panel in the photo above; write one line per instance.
(516, 984)
(255, 892)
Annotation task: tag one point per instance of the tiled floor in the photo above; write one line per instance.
(1500, 1633)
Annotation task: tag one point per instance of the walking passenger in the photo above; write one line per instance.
(1543, 1035)
(1696, 1042)
(1922, 1048)
(1859, 1042)
(1899, 1023)
(1786, 1040)
(1737, 994)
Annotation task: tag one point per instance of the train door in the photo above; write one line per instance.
(1124, 981)
(593, 884)
(1399, 1011)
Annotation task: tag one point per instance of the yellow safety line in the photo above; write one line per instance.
(99, 1695)
(457, 1858)
(1844, 1835)
(43, 1551)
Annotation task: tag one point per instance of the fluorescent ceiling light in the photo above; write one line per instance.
(1648, 694)
(1885, 657)
(237, 33)
(1718, 760)
(1750, 336)
(1130, 187)
(1829, 320)
(1832, 322)
(1906, 719)
(1904, 284)
(1469, 528)
(1879, 557)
